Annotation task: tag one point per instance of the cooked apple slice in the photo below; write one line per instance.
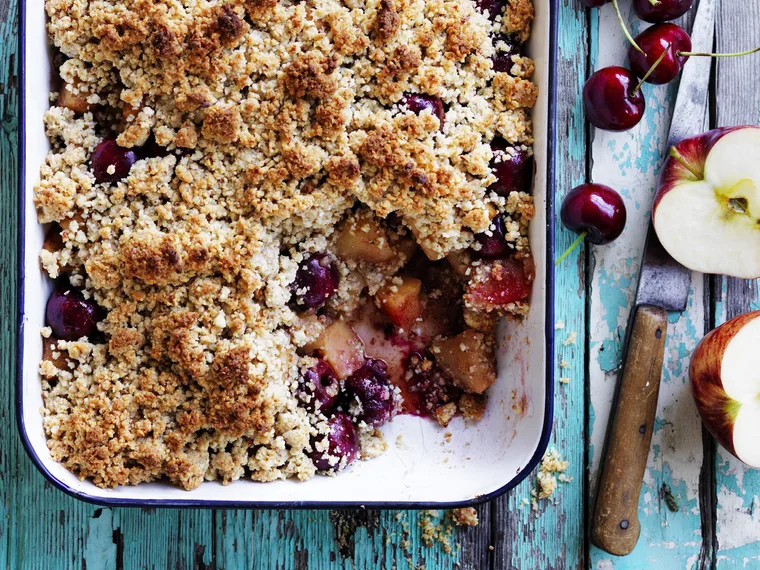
(427, 247)
(401, 301)
(406, 246)
(469, 359)
(73, 101)
(496, 284)
(341, 347)
(362, 238)
(460, 262)
(481, 320)
(53, 240)
(707, 207)
(50, 350)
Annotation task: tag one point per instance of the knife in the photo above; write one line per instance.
(663, 286)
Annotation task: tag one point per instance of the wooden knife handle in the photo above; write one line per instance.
(615, 524)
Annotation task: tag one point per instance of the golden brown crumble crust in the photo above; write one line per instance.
(289, 114)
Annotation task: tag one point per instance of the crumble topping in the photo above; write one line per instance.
(280, 125)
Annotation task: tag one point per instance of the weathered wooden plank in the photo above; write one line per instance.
(553, 536)
(630, 162)
(8, 223)
(321, 540)
(737, 519)
(164, 539)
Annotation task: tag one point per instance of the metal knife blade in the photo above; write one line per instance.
(664, 282)
(690, 112)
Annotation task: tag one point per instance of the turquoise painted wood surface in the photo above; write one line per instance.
(697, 505)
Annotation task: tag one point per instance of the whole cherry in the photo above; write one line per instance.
(658, 54)
(512, 166)
(656, 11)
(371, 389)
(111, 162)
(317, 279)
(338, 447)
(492, 8)
(612, 99)
(493, 243)
(418, 102)
(664, 46)
(505, 48)
(320, 386)
(70, 315)
(596, 212)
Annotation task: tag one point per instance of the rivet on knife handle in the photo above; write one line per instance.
(615, 524)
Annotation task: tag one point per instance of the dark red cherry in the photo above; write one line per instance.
(492, 8)
(70, 315)
(371, 391)
(111, 162)
(316, 280)
(319, 386)
(506, 47)
(493, 243)
(655, 12)
(417, 102)
(342, 443)
(430, 383)
(654, 41)
(611, 100)
(595, 209)
(513, 167)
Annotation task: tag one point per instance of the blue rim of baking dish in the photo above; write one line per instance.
(212, 504)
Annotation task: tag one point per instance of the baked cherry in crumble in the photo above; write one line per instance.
(275, 226)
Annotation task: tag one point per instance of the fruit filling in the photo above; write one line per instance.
(276, 226)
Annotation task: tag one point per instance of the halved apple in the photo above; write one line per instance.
(707, 207)
(725, 383)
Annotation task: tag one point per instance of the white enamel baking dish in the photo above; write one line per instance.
(420, 469)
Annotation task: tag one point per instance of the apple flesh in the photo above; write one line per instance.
(707, 207)
(725, 382)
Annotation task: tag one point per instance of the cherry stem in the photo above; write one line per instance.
(677, 156)
(703, 54)
(655, 2)
(624, 27)
(570, 249)
(651, 69)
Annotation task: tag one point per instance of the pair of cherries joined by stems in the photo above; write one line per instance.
(612, 97)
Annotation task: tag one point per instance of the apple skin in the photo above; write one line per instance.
(716, 408)
(694, 151)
